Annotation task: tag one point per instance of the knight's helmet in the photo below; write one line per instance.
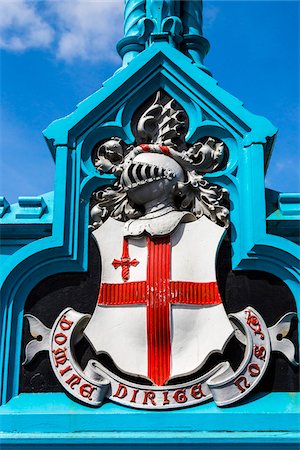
(160, 161)
(148, 167)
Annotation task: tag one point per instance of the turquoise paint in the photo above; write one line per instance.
(48, 234)
(36, 210)
(4, 206)
(113, 424)
(281, 408)
(178, 23)
(175, 441)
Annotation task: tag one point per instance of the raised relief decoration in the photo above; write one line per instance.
(159, 315)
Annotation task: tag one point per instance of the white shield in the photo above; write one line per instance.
(195, 330)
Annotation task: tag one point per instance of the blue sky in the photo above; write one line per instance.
(56, 53)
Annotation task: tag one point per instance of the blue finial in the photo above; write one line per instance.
(134, 16)
(194, 44)
(178, 22)
(192, 17)
(135, 10)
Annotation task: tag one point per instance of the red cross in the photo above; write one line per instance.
(158, 293)
(125, 262)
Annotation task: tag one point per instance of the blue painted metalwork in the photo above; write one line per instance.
(76, 424)
(178, 23)
(4, 206)
(163, 54)
(135, 10)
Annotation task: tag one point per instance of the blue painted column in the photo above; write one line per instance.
(133, 13)
(179, 22)
(131, 45)
(192, 17)
(194, 44)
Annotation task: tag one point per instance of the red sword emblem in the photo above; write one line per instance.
(125, 262)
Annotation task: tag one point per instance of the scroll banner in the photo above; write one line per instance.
(95, 383)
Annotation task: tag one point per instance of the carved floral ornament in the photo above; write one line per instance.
(159, 313)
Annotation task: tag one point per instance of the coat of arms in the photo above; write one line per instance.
(159, 314)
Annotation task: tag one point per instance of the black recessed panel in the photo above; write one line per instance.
(46, 301)
(266, 293)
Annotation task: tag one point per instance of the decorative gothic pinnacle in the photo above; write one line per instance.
(178, 22)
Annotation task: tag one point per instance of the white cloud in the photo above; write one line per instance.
(72, 29)
(22, 27)
(88, 29)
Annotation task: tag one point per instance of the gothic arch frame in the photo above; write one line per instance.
(249, 138)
